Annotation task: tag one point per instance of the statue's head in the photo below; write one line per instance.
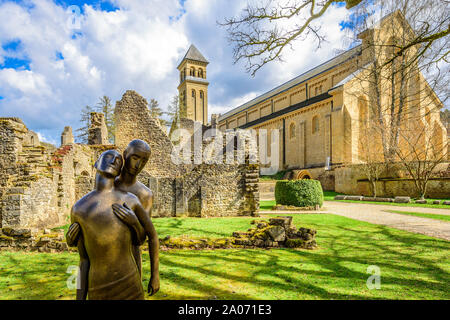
(109, 163)
(136, 156)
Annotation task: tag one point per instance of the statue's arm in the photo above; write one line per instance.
(73, 234)
(82, 286)
(153, 247)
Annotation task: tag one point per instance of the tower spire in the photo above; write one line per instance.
(193, 87)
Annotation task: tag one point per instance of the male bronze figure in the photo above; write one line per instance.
(135, 157)
(108, 268)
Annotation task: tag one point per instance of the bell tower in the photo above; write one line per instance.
(193, 87)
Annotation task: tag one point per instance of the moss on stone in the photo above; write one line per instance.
(294, 243)
(3, 237)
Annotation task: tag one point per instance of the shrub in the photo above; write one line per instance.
(299, 193)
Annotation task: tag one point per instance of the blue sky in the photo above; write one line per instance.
(58, 56)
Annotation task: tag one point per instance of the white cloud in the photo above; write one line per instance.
(136, 47)
(44, 138)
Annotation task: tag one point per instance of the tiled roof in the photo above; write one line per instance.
(194, 54)
(297, 80)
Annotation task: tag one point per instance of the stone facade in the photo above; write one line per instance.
(67, 136)
(319, 114)
(39, 185)
(193, 87)
(185, 189)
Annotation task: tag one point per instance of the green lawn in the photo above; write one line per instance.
(265, 205)
(329, 196)
(412, 266)
(268, 204)
(442, 217)
(428, 205)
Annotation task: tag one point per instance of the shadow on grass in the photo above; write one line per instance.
(412, 266)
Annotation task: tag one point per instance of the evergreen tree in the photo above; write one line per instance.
(156, 112)
(104, 106)
(83, 132)
(174, 113)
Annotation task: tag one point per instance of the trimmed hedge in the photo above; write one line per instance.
(299, 193)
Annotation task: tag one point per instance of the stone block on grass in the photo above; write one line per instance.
(402, 200)
(354, 198)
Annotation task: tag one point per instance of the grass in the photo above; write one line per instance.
(277, 176)
(442, 217)
(427, 205)
(329, 196)
(412, 266)
(265, 205)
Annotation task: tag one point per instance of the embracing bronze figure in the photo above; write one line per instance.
(110, 223)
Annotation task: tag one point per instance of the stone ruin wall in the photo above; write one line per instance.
(194, 190)
(39, 185)
(133, 121)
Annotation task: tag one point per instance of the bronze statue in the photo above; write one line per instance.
(108, 267)
(136, 156)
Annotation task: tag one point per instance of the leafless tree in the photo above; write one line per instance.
(398, 92)
(399, 82)
(420, 156)
(263, 30)
(369, 151)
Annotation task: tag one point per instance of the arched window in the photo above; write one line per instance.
(200, 73)
(320, 89)
(194, 103)
(315, 124)
(292, 130)
(192, 72)
(202, 101)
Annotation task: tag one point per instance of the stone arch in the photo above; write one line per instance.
(315, 124)
(303, 174)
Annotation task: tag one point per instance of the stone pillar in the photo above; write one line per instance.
(67, 136)
(327, 137)
(302, 144)
(214, 120)
(98, 133)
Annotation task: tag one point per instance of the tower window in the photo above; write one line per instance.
(192, 72)
(200, 73)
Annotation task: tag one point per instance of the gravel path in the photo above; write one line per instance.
(376, 214)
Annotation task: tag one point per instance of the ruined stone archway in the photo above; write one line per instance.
(303, 174)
